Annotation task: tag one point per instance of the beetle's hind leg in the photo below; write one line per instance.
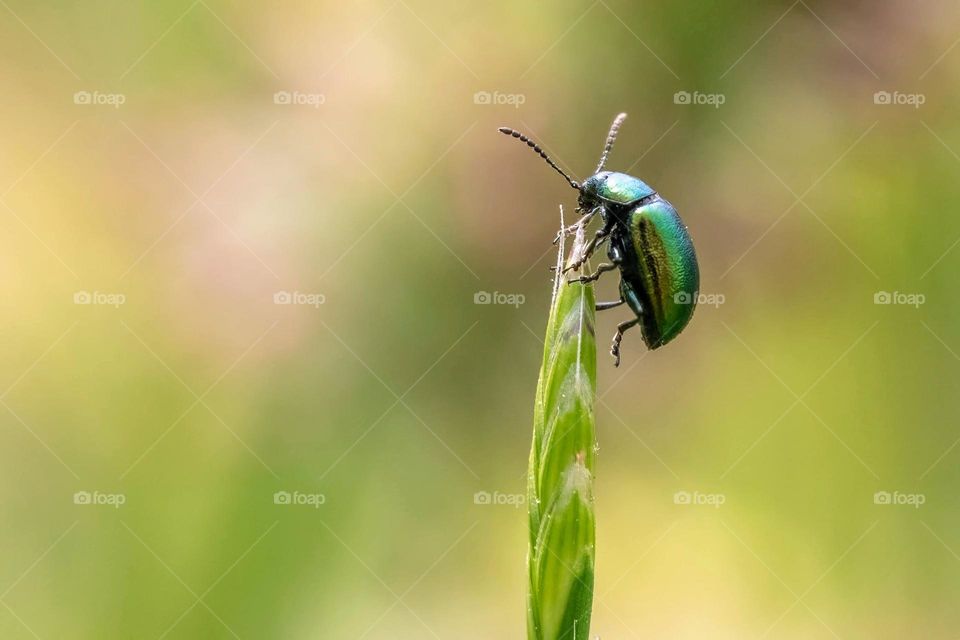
(601, 269)
(615, 347)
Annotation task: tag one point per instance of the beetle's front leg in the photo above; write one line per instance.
(600, 236)
(593, 277)
(618, 337)
(567, 231)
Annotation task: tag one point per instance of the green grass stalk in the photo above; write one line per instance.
(560, 558)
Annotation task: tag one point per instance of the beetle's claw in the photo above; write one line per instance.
(583, 279)
(573, 266)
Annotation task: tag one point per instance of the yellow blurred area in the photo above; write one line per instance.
(250, 388)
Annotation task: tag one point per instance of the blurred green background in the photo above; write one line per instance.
(173, 172)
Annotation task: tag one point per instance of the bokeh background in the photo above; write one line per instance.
(173, 172)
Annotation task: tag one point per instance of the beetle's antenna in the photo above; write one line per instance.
(611, 138)
(533, 145)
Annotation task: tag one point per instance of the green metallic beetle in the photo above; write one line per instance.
(659, 275)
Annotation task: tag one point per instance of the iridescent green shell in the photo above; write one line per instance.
(661, 279)
(618, 188)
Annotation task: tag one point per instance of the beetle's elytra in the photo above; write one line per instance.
(649, 244)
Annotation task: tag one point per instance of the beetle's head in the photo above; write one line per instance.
(590, 192)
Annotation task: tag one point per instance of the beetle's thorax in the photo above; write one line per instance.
(612, 189)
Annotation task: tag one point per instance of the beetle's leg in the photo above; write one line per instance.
(576, 264)
(603, 306)
(600, 236)
(567, 231)
(615, 347)
(601, 269)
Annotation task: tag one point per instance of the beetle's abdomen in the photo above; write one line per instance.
(662, 275)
